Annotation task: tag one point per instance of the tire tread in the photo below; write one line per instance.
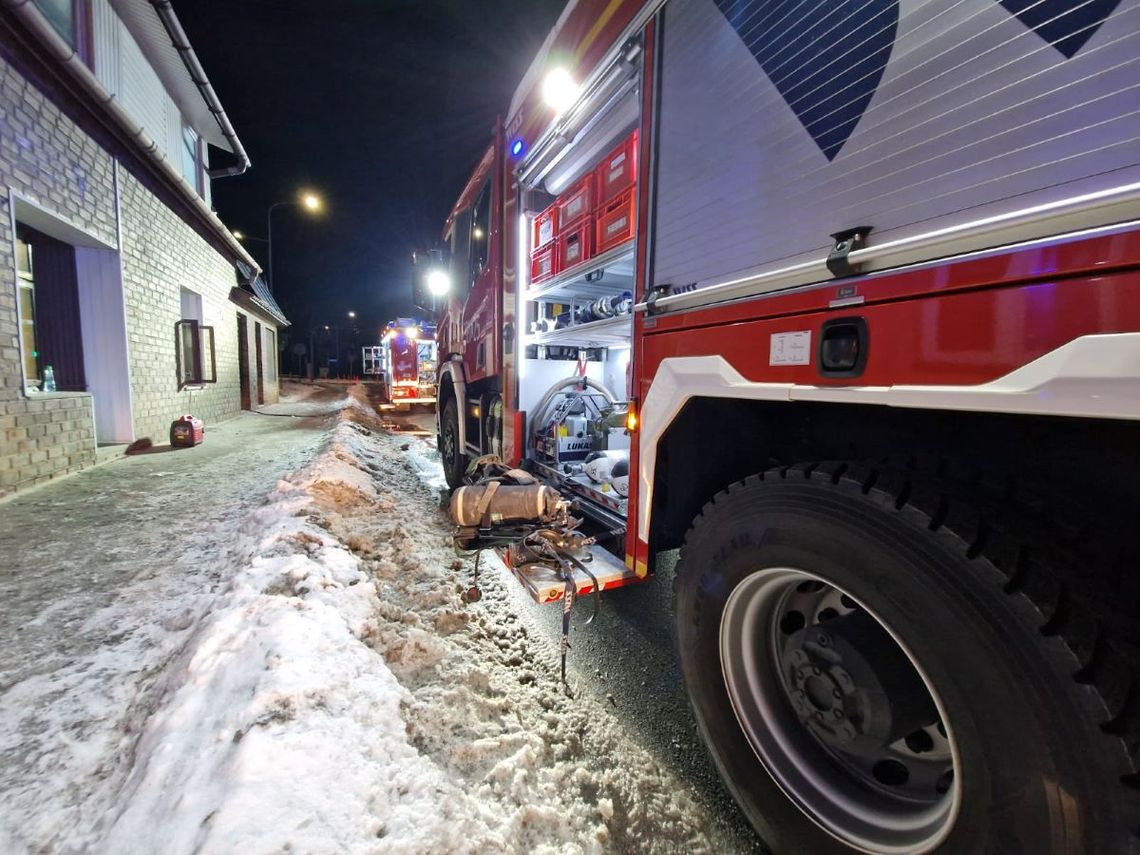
(986, 516)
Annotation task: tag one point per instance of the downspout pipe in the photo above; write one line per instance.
(190, 59)
(66, 56)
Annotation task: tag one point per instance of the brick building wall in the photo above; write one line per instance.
(44, 157)
(50, 164)
(161, 255)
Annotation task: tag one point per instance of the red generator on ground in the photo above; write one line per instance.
(858, 333)
(187, 431)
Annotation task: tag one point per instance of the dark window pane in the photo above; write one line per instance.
(481, 232)
(61, 16)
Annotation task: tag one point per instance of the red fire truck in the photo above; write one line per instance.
(406, 361)
(844, 303)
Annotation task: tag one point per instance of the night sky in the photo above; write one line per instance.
(383, 107)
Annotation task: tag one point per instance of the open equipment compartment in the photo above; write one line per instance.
(574, 353)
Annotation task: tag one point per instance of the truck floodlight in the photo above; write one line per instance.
(559, 90)
(438, 283)
(412, 332)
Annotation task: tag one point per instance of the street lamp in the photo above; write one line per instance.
(309, 201)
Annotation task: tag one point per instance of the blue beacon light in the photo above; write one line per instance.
(518, 147)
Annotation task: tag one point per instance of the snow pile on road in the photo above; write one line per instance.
(343, 696)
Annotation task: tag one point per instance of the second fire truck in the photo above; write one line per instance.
(841, 300)
(405, 361)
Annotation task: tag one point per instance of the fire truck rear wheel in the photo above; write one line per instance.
(877, 665)
(450, 449)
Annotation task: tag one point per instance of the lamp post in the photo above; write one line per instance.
(336, 346)
(309, 201)
(335, 330)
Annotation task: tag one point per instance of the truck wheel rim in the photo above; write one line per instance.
(839, 712)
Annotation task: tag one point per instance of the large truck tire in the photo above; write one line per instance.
(877, 664)
(450, 449)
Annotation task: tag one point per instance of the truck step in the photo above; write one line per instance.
(545, 586)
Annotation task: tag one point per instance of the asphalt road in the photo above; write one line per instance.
(627, 657)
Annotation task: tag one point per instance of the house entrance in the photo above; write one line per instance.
(243, 361)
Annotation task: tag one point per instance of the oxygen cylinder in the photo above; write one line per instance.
(495, 503)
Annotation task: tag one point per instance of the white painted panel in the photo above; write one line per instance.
(191, 302)
(105, 37)
(103, 324)
(173, 139)
(975, 115)
(142, 95)
(269, 355)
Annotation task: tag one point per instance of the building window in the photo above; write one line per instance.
(481, 233)
(194, 344)
(27, 287)
(192, 158)
(72, 20)
(51, 334)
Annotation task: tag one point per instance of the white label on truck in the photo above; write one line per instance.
(616, 226)
(790, 348)
(574, 207)
(545, 231)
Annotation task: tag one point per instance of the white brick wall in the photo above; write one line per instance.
(161, 255)
(47, 158)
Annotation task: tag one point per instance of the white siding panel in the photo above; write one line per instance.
(975, 114)
(143, 95)
(173, 138)
(105, 31)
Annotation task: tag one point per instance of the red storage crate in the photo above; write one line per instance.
(576, 203)
(618, 171)
(545, 227)
(543, 263)
(616, 222)
(576, 244)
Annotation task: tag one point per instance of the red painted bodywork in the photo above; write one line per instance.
(587, 33)
(960, 321)
(955, 323)
(472, 320)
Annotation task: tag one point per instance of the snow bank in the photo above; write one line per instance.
(343, 697)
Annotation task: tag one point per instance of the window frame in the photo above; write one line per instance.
(476, 266)
(199, 334)
(26, 281)
(198, 154)
(81, 39)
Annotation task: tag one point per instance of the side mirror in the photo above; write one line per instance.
(431, 279)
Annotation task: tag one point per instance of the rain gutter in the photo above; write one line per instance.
(66, 56)
(190, 59)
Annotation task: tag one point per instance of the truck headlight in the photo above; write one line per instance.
(438, 283)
